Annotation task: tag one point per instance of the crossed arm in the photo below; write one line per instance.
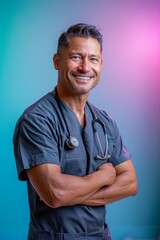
(106, 185)
(125, 185)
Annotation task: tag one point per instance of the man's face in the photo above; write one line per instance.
(79, 65)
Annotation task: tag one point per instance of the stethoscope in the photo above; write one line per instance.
(72, 142)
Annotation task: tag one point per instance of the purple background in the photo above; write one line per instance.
(129, 90)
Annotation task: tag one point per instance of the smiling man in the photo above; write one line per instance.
(70, 153)
(79, 66)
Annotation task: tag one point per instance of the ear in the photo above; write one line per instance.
(56, 61)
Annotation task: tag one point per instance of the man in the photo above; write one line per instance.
(70, 153)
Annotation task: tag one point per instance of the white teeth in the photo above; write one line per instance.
(83, 78)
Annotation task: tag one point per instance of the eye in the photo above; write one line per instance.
(94, 59)
(76, 57)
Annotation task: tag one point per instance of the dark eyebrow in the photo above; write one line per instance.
(94, 55)
(72, 53)
(81, 54)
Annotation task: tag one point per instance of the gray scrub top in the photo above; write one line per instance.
(39, 138)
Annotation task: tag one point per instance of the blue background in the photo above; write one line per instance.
(129, 91)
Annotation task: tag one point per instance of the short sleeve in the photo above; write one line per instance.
(34, 143)
(117, 149)
(120, 152)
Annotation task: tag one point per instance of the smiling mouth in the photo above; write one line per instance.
(83, 78)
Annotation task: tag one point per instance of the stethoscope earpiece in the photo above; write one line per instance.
(71, 142)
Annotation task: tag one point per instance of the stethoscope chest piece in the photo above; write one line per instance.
(71, 143)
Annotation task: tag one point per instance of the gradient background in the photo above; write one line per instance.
(129, 90)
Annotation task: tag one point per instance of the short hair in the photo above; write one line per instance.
(79, 30)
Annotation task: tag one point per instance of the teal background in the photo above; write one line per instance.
(129, 91)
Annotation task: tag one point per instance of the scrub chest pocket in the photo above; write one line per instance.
(74, 162)
(79, 162)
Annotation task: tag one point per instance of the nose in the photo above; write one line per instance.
(85, 66)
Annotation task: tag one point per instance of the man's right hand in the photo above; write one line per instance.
(109, 171)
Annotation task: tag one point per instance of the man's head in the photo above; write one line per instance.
(79, 59)
(78, 30)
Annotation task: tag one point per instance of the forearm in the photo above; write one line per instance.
(124, 186)
(70, 190)
(110, 194)
(57, 189)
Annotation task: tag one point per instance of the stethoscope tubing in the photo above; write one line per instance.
(72, 142)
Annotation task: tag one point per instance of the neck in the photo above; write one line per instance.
(74, 102)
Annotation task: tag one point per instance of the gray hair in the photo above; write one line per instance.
(79, 30)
